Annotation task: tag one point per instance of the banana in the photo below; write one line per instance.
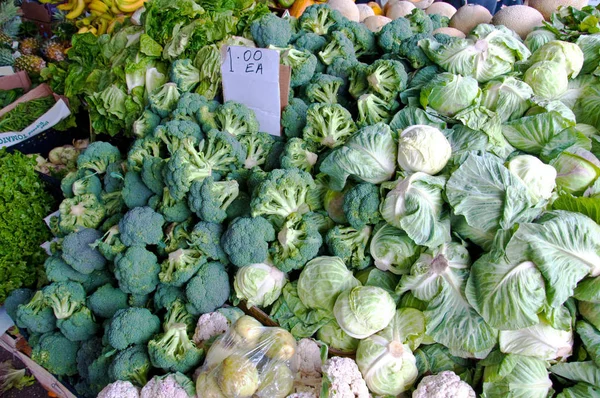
(102, 27)
(66, 6)
(98, 6)
(83, 30)
(129, 5)
(77, 11)
(114, 22)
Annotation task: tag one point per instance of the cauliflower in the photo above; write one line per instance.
(174, 385)
(345, 380)
(120, 389)
(210, 325)
(302, 395)
(443, 385)
(308, 362)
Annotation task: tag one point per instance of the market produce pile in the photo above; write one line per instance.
(432, 206)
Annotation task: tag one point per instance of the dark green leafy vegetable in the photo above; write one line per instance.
(25, 113)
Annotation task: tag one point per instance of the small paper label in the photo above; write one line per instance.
(251, 77)
(47, 219)
(6, 71)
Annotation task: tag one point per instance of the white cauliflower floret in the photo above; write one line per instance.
(443, 385)
(120, 389)
(344, 378)
(165, 387)
(308, 364)
(302, 395)
(210, 325)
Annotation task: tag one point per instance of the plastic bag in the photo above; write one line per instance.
(250, 360)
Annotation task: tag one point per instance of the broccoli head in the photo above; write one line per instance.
(164, 100)
(189, 105)
(341, 68)
(311, 42)
(79, 251)
(113, 179)
(351, 245)
(59, 271)
(97, 279)
(80, 326)
(176, 235)
(131, 326)
(146, 123)
(390, 37)
(173, 351)
(180, 266)
(64, 298)
(361, 205)
(97, 156)
(373, 109)
(323, 89)
(137, 270)
(56, 353)
(83, 211)
(328, 125)
(89, 183)
(14, 299)
(177, 313)
(141, 149)
(174, 132)
(173, 210)
(297, 242)
(107, 300)
(339, 46)
(411, 51)
(271, 30)
(234, 118)
(88, 352)
(298, 154)
(293, 118)
(113, 203)
(166, 295)
(319, 19)
(258, 148)
(139, 300)
(438, 21)
(206, 237)
(387, 77)
(302, 62)
(98, 376)
(184, 74)
(141, 226)
(135, 193)
(361, 37)
(131, 364)
(246, 240)
(209, 289)
(357, 79)
(420, 21)
(110, 244)
(209, 199)
(36, 316)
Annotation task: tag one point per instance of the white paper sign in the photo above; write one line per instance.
(58, 112)
(6, 71)
(251, 77)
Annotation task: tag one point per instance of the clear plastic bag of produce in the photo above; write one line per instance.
(250, 360)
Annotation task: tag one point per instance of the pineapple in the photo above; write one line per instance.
(53, 51)
(32, 64)
(6, 57)
(5, 39)
(29, 46)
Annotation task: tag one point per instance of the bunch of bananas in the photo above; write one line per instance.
(100, 16)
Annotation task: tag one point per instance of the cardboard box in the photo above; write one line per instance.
(17, 80)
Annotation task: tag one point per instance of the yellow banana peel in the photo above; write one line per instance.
(77, 11)
(129, 5)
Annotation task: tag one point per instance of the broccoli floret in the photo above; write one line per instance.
(323, 89)
(79, 251)
(174, 351)
(258, 148)
(113, 203)
(97, 279)
(311, 42)
(146, 123)
(80, 326)
(36, 315)
(107, 300)
(56, 354)
(110, 244)
(341, 67)
(139, 300)
(188, 106)
(298, 154)
(319, 19)
(131, 364)
(321, 220)
(361, 205)
(131, 326)
(97, 156)
(113, 179)
(361, 37)
(177, 313)
(387, 77)
(180, 266)
(328, 125)
(411, 51)
(98, 370)
(438, 21)
(390, 37)
(135, 193)
(302, 62)
(271, 30)
(236, 119)
(14, 299)
(88, 352)
(357, 79)
(297, 242)
(293, 118)
(351, 245)
(59, 271)
(420, 21)
(83, 211)
(173, 210)
(176, 235)
(141, 149)
(240, 207)
(141, 226)
(174, 132)
(88, 184)
(164, 100)
(209, 199)
(246, 240)
(206, 237)
(184, 74)
(166, 295)
(137, 271)
(64, 298)
(339, 46)
(373, 109)
(209, 289)
(66, 184)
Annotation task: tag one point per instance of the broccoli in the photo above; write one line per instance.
(106, 301)
(240, 207)
(141, 226)
(56, 353)
(293, 118)
(323, 89)
(209, 199)
(14, 299)
(174, 351)
(36, 316)
(387, 77)
(361, 37)
(438, 21)
(206, 237)
(173, 210)
(298, 154)
(357, 78)
(311, 42)
(351, 245)
(79, 252)
(339, 46)
(246, 240)
(137, 270)
(188, 106)
(302, 62)
(361, 205)
(145, 124)
(97, 279)
(390, 37)
(297, 242)
(139, 300)
(66, 184)
(131, 326)
(80, 326)
(231, 117)
(98, 370)
(219, 153)
(271, 30)
(319, 19)
(113, 203)
(83, 211)
(166, 295)
(209, 289)
(174, 132)
(97, 156)
(88, 184)
(135, 193)
(176, 235)
(373, 109)
(411, 51)
(180, 266)
(131, 364)
(328, 125)
(258, 148)
(110, 244)
(164, 100)
(64, 298)
(420, 21)
(184, 74)
(341, 67)
(59, 271)
(322, 221)
(178, 314)
(88, 352)
(141, 149)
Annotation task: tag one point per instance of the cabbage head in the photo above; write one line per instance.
(539, 341)
(577, 169)
(538, 38)
(539, 178)
(448, 94)
(568, 55)
(364, 310)
(423, 148)
(548, 79)
(259, 284)
(393, 250)
(508, 97)
(515, 376)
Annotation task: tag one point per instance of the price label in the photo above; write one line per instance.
(251, 77)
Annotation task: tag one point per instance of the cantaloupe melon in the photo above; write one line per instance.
(450, 32)
(364, 11)
(376, 22)
(422, 4)
(521, 19)
(469, 16)
(444, 9)
(400, 10)
(547, 7)
(347, 8)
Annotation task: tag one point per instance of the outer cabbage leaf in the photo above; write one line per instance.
(587, 107)
(508, 97)
(539, 341)
(580, 390)
(586, 372)
(393, 250)
(515, 376)
(590, 45)
(588, 290)
(435, 358)
(590, 336)
(577, 170)
(411, 115)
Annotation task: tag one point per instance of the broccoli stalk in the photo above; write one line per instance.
(178, 314)
(234, 118)
(64, 297)
(184, 74)
(319, 19)
(302, 62)
(174, 351)
(148, 147)
(297, 242)
(164, 100)
(83, 211)
(36, 315)
(298, 154)
(258, 147)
